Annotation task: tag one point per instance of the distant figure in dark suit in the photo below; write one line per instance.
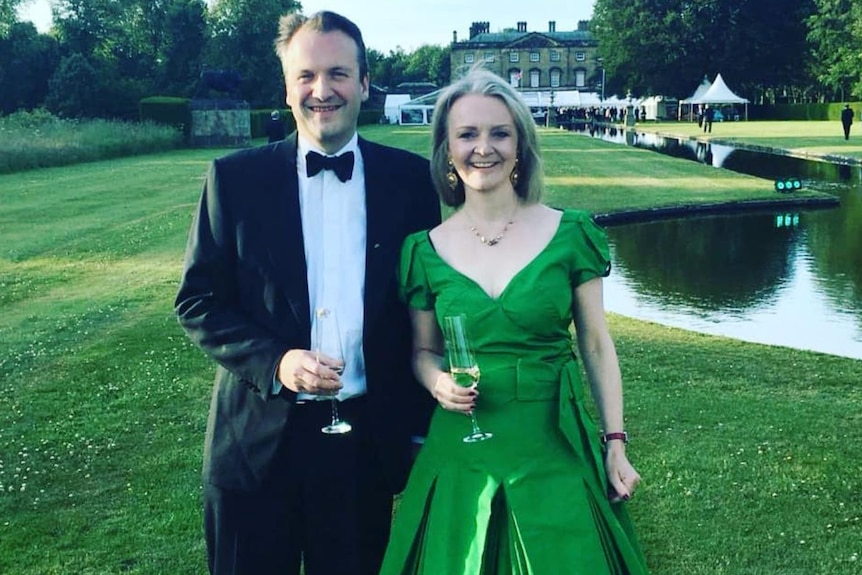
(847, 120)
(282, 233)
(275, 127)
(708, 117)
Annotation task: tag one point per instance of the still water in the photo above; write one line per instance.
(781, 278)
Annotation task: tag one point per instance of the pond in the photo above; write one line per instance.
(790, 278)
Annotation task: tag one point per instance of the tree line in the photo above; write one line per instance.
(102, 56)
(768, 50)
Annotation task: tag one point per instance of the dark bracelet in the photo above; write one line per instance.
(621, 435)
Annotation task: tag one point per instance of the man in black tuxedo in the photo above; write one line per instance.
(283, 230)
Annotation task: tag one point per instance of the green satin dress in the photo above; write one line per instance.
(532, 499)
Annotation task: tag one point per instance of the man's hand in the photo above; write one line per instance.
(300, 371)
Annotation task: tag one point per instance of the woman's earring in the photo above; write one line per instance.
(515, 175)
(451, 175)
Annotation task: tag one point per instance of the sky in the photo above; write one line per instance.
(409, 24)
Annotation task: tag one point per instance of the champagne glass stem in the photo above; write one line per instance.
(475, 422)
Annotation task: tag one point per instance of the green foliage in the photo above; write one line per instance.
(426, 64)
(835, 33)
(242, 34)
(821, 112)
(37, 139)
(367, 117)
(27, 60)
(74, 89)
(259, 119)
(667, 46)
(169, 111)
(182, 47)
(8, 15)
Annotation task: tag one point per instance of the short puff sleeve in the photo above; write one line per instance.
(592, 256)
(413, 283)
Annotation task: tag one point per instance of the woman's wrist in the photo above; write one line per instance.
(615, 436)
(436, 384)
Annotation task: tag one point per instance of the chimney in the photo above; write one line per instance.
(552, 26)
(522, 26)
(454, 36)
(583, 25)
(475, 29)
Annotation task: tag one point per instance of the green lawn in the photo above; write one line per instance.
(751, 455)
(801, 138)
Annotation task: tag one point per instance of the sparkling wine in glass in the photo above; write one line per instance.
(329, 343)
(463, 366)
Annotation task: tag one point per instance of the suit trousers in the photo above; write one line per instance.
(325, 504)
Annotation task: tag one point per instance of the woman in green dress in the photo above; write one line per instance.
(546, 494)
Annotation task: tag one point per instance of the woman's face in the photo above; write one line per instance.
(483, 142)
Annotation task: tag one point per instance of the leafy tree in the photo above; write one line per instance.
(74, 89)
(835, 34)
(667, 46)
(242, 35)
(9, 15)
(428, 64)
(387, 71)
(182, 46)
(27, 60)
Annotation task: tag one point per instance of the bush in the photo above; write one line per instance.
(168, 111)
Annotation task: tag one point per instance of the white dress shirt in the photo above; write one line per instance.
(334, 231)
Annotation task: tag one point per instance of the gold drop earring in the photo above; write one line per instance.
(515, 175)
(451, 175)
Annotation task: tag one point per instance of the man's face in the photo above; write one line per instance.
(324, 87)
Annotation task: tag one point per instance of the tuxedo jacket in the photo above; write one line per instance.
(243, 299)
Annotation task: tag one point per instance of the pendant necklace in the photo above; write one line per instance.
(490, 242)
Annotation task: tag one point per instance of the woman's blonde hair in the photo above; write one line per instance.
(530, 182)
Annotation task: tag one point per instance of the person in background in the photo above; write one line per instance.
(708, 118)
(546, 493)
(847, 120)
(275, 127)
(314, 222)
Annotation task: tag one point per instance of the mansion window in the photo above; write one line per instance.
(555, 56)
(534, 56)
(555, 78)
(514, 56)
(489, 56)
(580, 56)
(534, 78)
(468, 58)
(515, 78)
(580, 78)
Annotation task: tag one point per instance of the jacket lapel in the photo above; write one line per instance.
(382, 239)
(287, 247)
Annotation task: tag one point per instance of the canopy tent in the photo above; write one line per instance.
(719, 93)
(702, 88)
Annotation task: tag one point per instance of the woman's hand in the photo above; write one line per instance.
(622, 477)
(453, 397)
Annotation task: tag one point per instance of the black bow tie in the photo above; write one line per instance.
(342, 165)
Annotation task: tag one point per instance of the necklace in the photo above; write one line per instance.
(490, 242)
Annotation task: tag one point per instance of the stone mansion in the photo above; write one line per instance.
(531, 60)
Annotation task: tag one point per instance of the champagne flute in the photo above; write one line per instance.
(329, 343)
(462, 365)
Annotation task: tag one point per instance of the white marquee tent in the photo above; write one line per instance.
(718, 93)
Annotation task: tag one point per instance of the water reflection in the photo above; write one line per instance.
(792, 279)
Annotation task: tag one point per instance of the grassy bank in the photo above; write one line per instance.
(805, 139)
(750, 454)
